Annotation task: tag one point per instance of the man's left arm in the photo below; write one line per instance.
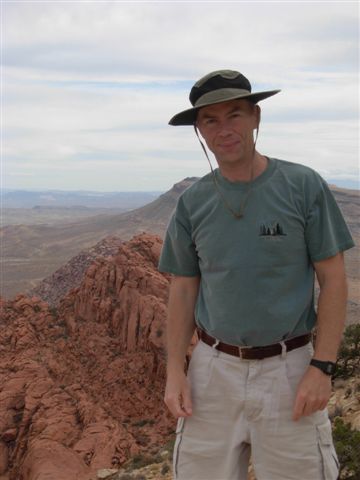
(314, 390)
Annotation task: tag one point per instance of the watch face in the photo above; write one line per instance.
(327, 367)
(330, 368)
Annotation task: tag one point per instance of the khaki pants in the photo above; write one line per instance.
(242, 405)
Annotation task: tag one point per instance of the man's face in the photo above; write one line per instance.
(228, 127)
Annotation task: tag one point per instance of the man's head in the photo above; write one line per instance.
(217, 87)
(228, 127)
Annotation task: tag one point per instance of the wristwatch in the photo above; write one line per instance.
(327, 367)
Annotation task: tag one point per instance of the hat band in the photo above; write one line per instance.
(220, 95)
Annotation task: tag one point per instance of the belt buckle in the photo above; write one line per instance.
(241, 349)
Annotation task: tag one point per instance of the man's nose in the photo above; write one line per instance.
(224, 128)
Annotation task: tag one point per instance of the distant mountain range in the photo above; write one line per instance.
(58, 198)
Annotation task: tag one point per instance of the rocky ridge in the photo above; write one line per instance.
(81, 386)
(54, 288)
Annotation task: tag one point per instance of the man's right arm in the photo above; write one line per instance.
(180, 329)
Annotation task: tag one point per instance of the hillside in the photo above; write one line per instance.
(39, 215)
(54, 287)
(38, 255)
(32, 252)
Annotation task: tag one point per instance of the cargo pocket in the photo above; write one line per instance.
(179, 432)
(329, 460)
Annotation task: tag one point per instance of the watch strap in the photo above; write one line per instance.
(327, 367)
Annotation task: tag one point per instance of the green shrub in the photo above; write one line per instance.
(165, 469)
(169, 447)
(139, 461)
(348, 363)
(145, 421)
(347, 445)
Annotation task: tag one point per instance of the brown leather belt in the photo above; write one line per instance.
(254, 353)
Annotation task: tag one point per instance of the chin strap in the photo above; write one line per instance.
(239, 214)
(203, 147)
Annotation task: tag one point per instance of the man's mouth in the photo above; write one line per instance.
(228, 144)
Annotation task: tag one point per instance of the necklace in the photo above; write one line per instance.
(235, 214)
(240, 213)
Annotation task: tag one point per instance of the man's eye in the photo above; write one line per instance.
(210, 121)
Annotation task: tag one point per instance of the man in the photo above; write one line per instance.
(243, 245)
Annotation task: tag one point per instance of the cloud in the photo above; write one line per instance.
(172, 40)
(96, 83)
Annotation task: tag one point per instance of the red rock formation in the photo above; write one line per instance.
(127, 294)
(81, 387)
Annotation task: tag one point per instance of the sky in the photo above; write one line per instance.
(88, 88)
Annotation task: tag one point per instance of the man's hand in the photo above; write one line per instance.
(180, 329)
(178, 394)
(314, 389)
(313, 393)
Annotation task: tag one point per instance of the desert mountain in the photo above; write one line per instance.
(81, 386)
(32, 252)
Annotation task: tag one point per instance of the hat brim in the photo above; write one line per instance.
(188, 117)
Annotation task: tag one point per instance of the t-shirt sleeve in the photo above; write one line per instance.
(178, 255)
(326, 232)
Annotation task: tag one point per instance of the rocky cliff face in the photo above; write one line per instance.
(81, 386)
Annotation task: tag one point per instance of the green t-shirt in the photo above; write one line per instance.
(257, 277)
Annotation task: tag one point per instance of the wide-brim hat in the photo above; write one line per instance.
(216, 87)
